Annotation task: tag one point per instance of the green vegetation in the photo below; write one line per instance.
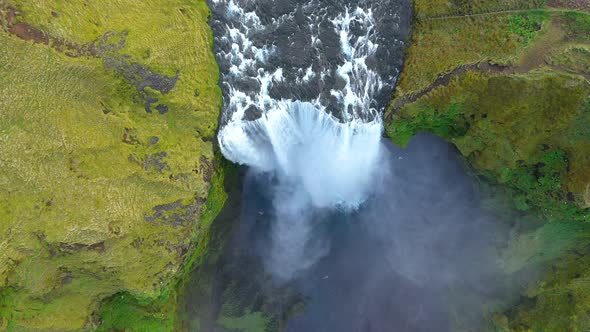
(521, 119)
(126, 312)
(576, 58)
(418, 117)
(533, 150)
(441, 8)
(440, 46)
(250, 302)
(123, 312)
(578, 25)
(108, 111)
(503, 118)
(560, 303)
(526, 25)
(251, 322)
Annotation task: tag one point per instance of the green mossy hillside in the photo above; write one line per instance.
(107, 114)
(526, 131)
(512, 92)
(443, 8)
(126, 312)
(440, 46)
(510, 121)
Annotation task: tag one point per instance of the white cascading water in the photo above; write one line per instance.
(332, 161)
(320, 161)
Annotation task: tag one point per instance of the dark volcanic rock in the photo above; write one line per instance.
(252, 113)
(286, 40)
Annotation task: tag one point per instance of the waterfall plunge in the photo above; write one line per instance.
(319, 162)
(333, 162)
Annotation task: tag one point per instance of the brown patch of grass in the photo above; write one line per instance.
(27, 32)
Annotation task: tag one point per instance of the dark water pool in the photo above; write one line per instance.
(419, 255)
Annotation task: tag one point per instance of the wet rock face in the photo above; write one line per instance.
(345, 55)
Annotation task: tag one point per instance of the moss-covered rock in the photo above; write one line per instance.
(107, 114)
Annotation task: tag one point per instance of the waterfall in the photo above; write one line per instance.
(332, 161)
(305, 84)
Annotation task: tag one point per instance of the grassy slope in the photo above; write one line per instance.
(438, 8)
(81, 167)
(125, 312)
(523, 124)
(526, 131)
(439, 46)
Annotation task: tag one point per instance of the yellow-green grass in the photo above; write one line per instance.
(576, 58)
(524, 128)
(528, 131)
(438, 8)
(125, 312)
(75, 153)
(439, 46)
(164, 35)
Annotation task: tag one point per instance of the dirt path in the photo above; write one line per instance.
(445, 79)
(26, 32)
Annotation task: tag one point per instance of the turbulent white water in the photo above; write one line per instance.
(313, 122)
(332, 161)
